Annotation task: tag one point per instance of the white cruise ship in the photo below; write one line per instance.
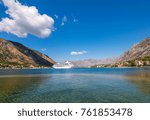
(65, 65)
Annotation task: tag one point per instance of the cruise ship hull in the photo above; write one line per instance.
(68, 67)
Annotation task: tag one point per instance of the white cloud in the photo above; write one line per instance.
(24, 20)
(54, 29)
(56, 16)
(64, 20)
(44, 49)
(78, 52)
(75, 20)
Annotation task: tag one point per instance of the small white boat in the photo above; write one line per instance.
(65, 65)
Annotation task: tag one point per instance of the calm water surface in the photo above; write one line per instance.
(75, 85)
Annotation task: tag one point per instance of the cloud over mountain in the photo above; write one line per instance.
(78, 53)
(24, 20)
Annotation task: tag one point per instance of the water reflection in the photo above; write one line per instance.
(13, 87)
(75, 85)
(142, 80)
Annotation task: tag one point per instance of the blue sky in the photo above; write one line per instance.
(92, 29)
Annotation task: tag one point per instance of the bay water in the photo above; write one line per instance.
(82, 85)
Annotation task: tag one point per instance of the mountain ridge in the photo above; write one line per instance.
(16, 55)
(137, 55)
(141, 49)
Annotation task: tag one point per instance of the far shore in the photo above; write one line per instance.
(73, 68)
(26, 68)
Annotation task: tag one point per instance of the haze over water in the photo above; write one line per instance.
(75, 85)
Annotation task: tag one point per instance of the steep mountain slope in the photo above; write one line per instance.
(137, 56)
(16, 55)
(139, 50)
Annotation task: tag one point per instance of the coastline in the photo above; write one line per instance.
(73, 68)
(26, 68)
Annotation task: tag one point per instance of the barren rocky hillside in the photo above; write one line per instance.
(16, 55)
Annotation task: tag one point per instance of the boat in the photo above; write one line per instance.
(65, 65)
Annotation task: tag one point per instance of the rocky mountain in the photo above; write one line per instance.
(139, 50)
(92, 62)
(137, 56)
(16, 55)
